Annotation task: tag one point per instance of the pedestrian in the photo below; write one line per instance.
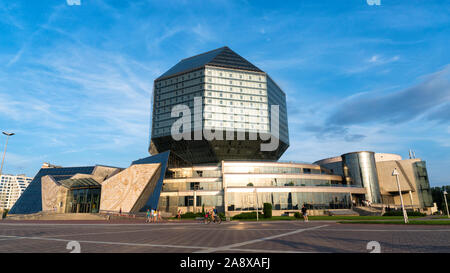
(159, 215)
(179, 214)
(215, 214)
(148, 216)
(206, 216)
(305, 213)
(152, 213)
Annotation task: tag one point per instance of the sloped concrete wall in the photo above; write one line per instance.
(129, 189)
(54, 196)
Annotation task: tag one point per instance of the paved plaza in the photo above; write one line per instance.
(235, 237)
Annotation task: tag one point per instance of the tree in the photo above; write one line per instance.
(437, 193)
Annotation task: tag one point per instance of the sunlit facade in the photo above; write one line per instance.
(236, 186)
(223, 93)
(11, 188)
(373, 172)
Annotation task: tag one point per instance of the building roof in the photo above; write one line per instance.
(80, 183)
(221, 57)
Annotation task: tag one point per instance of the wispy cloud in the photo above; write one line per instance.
(400, 106)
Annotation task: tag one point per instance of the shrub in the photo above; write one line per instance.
(297, 215)
(267, 210)
(189, 215)
(246, 215)
(400, 213)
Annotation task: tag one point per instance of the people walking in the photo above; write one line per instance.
(179, 214)
(148, 216)
(152, 215)
(305, 213)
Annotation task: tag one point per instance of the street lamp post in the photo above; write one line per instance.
(256, 193)
(4, 152)
(446, 205)
(405, 215)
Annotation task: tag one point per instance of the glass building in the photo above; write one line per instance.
(236, 186)
(211, 113)
(221, 92)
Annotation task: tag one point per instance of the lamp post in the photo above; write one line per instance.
(405, 216)
(4, 152)
(256, 193)
(446, 205)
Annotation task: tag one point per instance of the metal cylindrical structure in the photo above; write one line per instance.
(360, 170)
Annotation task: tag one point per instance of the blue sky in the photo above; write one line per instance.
(76, 81)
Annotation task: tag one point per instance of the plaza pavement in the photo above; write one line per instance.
(228, 237)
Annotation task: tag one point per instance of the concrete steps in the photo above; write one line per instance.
(57, 216)
(367, 211)
(342, 212)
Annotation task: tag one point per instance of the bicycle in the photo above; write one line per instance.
(216, 219)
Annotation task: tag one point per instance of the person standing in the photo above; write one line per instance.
(179, 214)
(305, 213)
(152, 215)
(159, 215)
(148, 216)
(206, 217)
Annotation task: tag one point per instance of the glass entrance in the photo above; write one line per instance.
(85, 200)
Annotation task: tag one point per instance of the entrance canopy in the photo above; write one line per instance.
(80, 183)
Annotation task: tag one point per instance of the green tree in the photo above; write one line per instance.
(437, 193)
(267, 210)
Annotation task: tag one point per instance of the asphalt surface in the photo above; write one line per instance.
(228, 237)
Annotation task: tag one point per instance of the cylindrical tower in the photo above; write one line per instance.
(360, 170)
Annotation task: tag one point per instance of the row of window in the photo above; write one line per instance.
(231, 74)
(288, 200)
(233, 96)
(180, 78)
(271, 170)
(235, 83)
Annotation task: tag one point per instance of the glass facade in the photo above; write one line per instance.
(276, 96)
(229, 187)
(235, 100)
(85, 200)
(237, 201)
(243, 168)
(422, 184)
(189, 186)
(235, 97)
(360, 170)
(282, 182)
(173, 203)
